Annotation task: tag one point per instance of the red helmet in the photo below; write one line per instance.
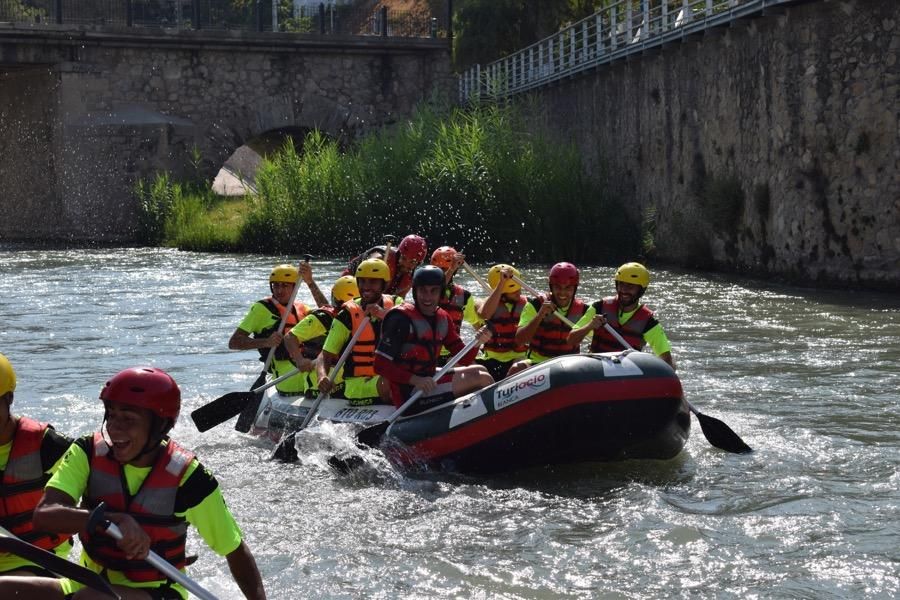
(414, 247)
(564, 273)
(145, 387)
(443, 257)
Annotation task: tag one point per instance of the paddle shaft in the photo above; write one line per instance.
(450, 364)
(476, 276)
(164, 567)
(334, 371)
(533, 291)
(288, 309)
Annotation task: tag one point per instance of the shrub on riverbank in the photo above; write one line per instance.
(476, 179)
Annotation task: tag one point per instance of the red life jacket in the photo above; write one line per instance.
(632, 331)
(361, 362)
(312, 347)
(454, 301)
(22, 485)
(422, 346)
(550, 338)
(504, 324)
(296, 315)
(153, 507)
(400, 283)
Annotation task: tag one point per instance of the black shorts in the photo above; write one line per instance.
(496, 368)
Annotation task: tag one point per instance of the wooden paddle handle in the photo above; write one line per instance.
(476, 276)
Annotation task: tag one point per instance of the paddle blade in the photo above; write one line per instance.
(286, 450)
(371, 436)
(721, 435)
(248, 414)
(54, 563)
(221, 409)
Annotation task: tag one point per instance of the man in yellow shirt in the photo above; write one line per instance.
(153, 488)
(29, 452)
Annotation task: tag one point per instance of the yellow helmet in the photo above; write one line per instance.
(284, 274)
(345, 289)
(633, 273)
(7, 376)
(373, 268)
(510, 286)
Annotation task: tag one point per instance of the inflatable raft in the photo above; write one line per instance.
(571, 409)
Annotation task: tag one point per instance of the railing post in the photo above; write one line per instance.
(450, 22)
(550, 56)
(195, 12)
(434, 27)
(645, 33)
(613, 33)
(259, 15)
(478, 81)
(384, 21)
(709, 8)
(599, 34)
(321, 17)
(664, 23)
(629, 22)
(59, 14)
(129, 13)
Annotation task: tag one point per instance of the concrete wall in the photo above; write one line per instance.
(769, 147)
(110, 109)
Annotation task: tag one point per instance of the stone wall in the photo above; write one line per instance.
(113, 109)
(770, 147)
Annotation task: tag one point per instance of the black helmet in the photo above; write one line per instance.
(427, 275)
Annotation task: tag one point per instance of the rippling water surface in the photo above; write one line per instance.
(808, 378)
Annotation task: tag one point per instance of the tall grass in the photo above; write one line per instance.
(478, 179)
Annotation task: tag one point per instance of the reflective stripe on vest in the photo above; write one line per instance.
(295, 316)
(22, 485)
(153, 507)
(550, 338)
(361, 362)
(504, 324)
(419, 351)
(454, 301)
(632, 331)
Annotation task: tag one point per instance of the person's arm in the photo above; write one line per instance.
(527, 328)
(245, 572)
(454, 344)
(254, 321)
(394, 331)
(305, 271)
(338, 336)
(489, 305)
(587, 323)
(657, 340)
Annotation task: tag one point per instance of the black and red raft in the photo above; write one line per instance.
(572, 409)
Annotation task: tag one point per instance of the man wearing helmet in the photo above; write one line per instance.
(539, 326)
(456, 300)
(501, 311)
(411, 339)
(304, 342)
(29, 453)
(403, 261)
(134, 475)
(633, 320)
(259, 328)
(362, 385)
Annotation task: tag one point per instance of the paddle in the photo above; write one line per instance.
(371, 436)
(477, 277)
(283, 449)
(50, 561)
(716, 432)
(248, 414)
(534, 292)
(224, 407)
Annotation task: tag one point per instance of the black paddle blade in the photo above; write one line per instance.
(54, 563)
(346, 464)
(721, 436)
(286, 450)
(221, 409)
(371, 436)
(248, 414)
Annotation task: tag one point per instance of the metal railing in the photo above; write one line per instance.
(327, 18)
(622, 28)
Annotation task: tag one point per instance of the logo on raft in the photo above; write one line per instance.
(515, 391)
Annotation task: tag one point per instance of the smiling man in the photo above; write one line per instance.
(411, 339)
(153, 489)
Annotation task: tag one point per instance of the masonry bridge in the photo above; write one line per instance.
(760, 136)
(87, 110)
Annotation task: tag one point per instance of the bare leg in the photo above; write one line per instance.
(469, 379)
(519, 365)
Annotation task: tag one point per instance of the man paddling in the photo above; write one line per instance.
(459, 302)
(29, 453)
(411, 339)
(624, 313)
(259, 328)
(362, 386)
(132, 474)
(501, 311)
(541, 328)
(305, 341)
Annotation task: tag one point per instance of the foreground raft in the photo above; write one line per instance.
(572, 409)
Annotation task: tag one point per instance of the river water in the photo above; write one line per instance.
(809, 378)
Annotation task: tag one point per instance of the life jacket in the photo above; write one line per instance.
(504, 323)
(312, 347)
(632, 331)
(22, 485)
(295, 316)
(550, 338)
(454, 300)
(400, 282)
(361, 362)
(420, 350)
(153, 507)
